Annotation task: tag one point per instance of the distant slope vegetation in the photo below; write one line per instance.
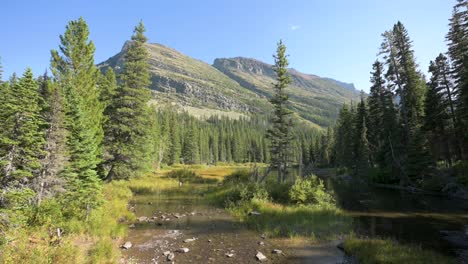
(236, 85)
(313, 98)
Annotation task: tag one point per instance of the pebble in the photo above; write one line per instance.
(277, 251)
(188, 240)
(127, 245)
(170, 257)
(183, 250)
(229, 255)
(260, 256)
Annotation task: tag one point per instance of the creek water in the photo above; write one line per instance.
(177, 215)
(376, 213)
(405, 217)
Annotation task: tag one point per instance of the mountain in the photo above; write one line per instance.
(235, 86)
(313, 98)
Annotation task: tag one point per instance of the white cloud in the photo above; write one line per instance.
(294, 27)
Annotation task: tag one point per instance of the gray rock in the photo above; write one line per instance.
(127, 245)
(166, 253)
(277, 251)
(260, 256)
(261, 243)
(143, 219)
(183, 250)
(229, 255)
(188, 240)
(170, 256)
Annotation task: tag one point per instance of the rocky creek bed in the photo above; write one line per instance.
(166, 225)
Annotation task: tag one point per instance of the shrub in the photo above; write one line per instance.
(309, 190)
(245, 193)
(279, 192)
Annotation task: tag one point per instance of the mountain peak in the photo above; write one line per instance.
(235, 85)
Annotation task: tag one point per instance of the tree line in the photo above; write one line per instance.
(409, 126)
(62, 135)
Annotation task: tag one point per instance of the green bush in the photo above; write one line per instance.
(244, 193)
(49, 213)
(279, 192)
(309, 191)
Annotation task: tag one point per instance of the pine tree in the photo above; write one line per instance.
(22, 140)
(383, 129)
(439, 109)
(107, 85)
(458, 52)
(128, 130)
(361, 143)
(411, 89)
(344, 136)
(76, 74)
(280, 134)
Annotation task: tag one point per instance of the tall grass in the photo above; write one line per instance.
(373, 251)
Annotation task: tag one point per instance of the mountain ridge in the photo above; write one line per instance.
(239, 84)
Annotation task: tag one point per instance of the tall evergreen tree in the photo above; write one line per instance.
(410, 87)
(280, 134)
(361, 143)
(441, 118)
(128, 129)
(22, 140)
(458, 52)
(76, 74)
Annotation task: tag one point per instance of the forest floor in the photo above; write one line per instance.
(171, 217)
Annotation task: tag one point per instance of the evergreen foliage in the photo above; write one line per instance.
(22, 136)
(127, 129)
(280, 133)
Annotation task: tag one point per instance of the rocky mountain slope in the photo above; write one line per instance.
(236, 86)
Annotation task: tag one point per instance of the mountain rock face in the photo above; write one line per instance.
(313, 98)
(239, 85)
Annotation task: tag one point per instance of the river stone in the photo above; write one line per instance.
(254, 213)
(229, 255)
(170, 256)
(131, 226)
(183, 250)
(261, 243)
(166, 253)
(277, 251)
(260, 256)
(127, 245)
(142, 219)
(188, 240)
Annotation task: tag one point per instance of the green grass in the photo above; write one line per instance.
(316, 222)
(378, 251)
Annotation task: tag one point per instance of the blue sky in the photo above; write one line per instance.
(333, 38)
